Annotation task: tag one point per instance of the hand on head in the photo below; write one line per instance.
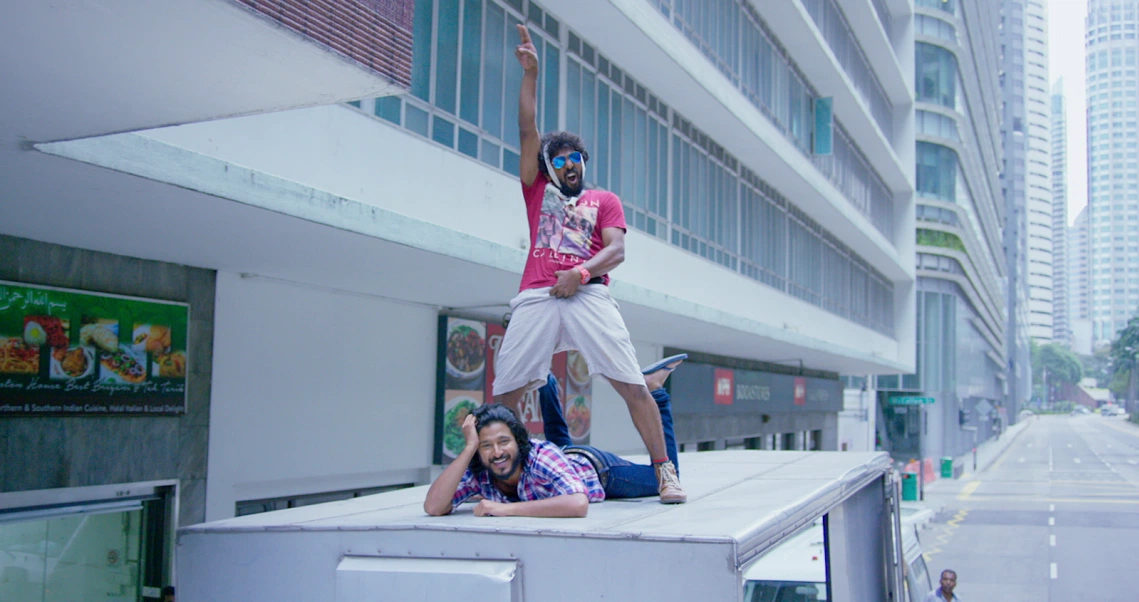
(470, 433)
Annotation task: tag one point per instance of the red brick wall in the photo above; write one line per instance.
(374, 33)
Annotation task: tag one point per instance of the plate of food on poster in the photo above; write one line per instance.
(454, 412)
(122, 367)
(466, 349)
(71, 363)
(17, 356)
(578, 415)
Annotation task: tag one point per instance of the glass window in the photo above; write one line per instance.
(676, 182)
(936, 171)
(935, 75)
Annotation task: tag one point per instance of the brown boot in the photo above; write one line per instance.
(669, 484)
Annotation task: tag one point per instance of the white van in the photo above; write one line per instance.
(742, 505)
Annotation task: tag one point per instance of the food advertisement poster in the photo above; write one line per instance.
(72, 352)
(467, 351)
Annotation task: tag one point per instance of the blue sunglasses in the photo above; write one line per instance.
(560, 162)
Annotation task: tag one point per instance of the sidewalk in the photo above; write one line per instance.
(987, 453)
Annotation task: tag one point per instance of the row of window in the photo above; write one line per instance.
(932, 26)
(735, 39)
(833, 25)
(676, 183)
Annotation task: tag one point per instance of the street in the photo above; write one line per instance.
(1054, 517)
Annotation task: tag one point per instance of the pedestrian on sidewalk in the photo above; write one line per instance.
(945, 592)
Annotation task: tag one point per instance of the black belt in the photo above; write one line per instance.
(598, 467)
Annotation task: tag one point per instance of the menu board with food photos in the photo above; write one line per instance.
(72, 352)
(467, 351)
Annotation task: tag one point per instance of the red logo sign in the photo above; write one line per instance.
(800, 391)
(723, 389)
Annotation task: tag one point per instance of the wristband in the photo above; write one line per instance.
(585, 276)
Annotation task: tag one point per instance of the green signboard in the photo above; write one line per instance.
(73, 352)
(911, 401)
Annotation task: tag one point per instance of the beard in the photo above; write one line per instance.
(575, 190)
(510, 469)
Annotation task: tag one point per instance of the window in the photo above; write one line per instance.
(936, 172)
(935, 75)
(676, 182)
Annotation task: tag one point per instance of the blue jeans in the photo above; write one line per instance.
(619, 477)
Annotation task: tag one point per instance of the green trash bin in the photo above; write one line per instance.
(947, 467)
(909, 486)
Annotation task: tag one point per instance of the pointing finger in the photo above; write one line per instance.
(523, 33)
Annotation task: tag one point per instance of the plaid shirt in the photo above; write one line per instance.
(548, 473)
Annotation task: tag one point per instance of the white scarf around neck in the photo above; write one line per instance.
(555, 183)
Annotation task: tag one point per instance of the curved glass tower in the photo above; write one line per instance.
(1113, 177)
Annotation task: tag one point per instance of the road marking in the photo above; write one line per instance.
(1020, 461)
(968, 490)
(1108, 446)
(1049, 458)
(1077, 460)
(1131, 461)
(1051, 521)
(1069, 446)
(1053, 570)
(1052, 540)
(1051, 507)
(946, 533)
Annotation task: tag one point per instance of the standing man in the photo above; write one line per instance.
(945, 592)
(577, 237)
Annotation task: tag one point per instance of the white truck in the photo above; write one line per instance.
(745, 510)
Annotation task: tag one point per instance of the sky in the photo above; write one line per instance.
(1066, 59)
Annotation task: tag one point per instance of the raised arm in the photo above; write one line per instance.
(442, 491)
(531, 140)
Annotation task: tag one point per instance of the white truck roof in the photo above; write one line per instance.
(745, 501)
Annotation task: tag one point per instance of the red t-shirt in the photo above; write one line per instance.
(562, 237)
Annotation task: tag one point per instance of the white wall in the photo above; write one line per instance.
(315, 390)
(858, 435)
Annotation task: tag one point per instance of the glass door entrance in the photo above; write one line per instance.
(99, 551)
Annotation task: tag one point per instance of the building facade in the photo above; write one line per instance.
(1015, 140)
(960, 263)
(1112, 51)
(1034, 160)
(319, 221)
(1079, 283)
(1060, 307)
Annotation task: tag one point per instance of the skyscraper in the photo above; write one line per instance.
(961, 358)
(1061, 331)
(1037, 170)
(1079, 284)
(1113, 174)
(1015, 134)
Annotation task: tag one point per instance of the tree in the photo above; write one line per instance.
(1098, 366)
(1124, 350)
(1053, 365)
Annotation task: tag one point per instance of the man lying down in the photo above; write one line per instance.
(519, 476)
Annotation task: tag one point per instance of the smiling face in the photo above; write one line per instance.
(570, 174)
(498, 452)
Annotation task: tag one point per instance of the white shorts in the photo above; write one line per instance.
(542, 325)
